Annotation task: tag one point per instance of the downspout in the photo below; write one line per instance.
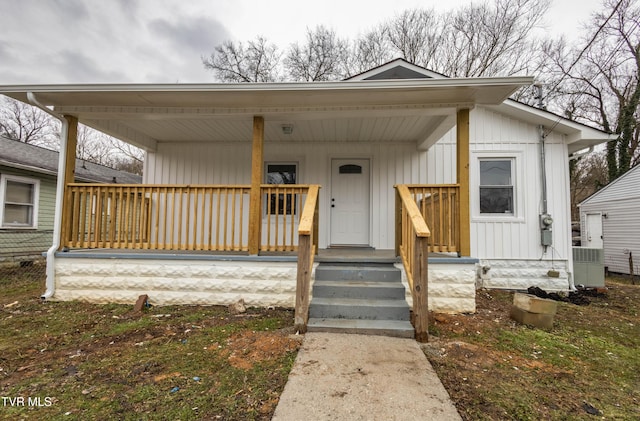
(57, 219)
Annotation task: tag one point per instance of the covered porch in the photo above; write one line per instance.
(243, 222)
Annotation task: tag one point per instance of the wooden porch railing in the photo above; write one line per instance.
(439, 205)
(307, 249)
(412, 235)
(179, 217)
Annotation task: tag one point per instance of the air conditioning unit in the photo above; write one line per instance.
(588, 267)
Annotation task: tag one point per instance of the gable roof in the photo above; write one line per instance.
(24, 156)
(398, 68)
(578, 135)
(627, 182)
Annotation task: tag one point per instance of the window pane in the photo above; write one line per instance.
(281, 204)
(495, 173)
(496, 200)
(281, 174)
(350, 169)
(19, 192)
(18, 215)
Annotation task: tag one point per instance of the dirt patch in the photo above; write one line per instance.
(249, 348)
(495, 368)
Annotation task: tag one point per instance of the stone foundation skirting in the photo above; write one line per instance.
(452, 287)
(522, 274)
(169, 282)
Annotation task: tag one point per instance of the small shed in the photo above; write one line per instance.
(610, 219)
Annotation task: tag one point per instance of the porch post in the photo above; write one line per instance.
(255, 198)
(69, 173)
(462, 174)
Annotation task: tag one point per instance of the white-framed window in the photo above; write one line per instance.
(19, 202)
(496, 186)
(281, 173)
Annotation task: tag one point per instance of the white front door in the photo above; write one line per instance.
(594, 230)
(350, 202)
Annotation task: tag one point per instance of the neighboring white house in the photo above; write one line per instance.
(610, 219)
(495, 174)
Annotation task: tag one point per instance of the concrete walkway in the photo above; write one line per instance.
(356, 377)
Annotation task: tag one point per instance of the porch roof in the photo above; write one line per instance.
(380, 110)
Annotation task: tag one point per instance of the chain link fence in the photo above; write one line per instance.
(22, 252)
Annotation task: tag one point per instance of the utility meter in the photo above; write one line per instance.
(545, 229)
(546, 221)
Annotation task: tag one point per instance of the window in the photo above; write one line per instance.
(19, 202)
(496, 186)
(281, 173)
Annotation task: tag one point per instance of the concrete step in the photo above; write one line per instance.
(350, 308)
(358, 289)
(395, 328)
(373, 273)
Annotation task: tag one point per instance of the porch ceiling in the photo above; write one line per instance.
(346, 111)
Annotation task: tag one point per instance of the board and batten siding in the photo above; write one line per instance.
(19, 243)
(493, 134)
(620, 202)
(230, 163)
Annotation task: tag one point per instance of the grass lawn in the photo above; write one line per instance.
(79, 361)
(586, 367)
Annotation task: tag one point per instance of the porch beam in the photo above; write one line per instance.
(255, 197)
(68, 173)
(462, 175)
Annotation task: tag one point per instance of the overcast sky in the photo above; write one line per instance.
(162, 41)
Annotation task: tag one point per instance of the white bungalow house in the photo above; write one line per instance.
(396, 159)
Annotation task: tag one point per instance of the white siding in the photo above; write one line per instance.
(230, 163)
(625, 187)
(402, 162)
(619, 204)
(519, 237)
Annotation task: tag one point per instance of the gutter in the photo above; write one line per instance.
(57, 219)
(579, 155)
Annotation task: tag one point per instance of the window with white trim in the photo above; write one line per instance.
(497, 186)
(18, 202)
(281, 173)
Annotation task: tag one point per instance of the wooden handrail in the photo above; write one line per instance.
(440, 208)
(308, 213)
(202, 217)
(419, 225)
(307, 248)
(413, 248)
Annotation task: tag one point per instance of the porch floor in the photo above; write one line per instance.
(329, 255)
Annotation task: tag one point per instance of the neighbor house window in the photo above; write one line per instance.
(281, 173)
(497, 186)
(19, 202)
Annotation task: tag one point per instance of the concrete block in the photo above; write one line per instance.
(534, 304)
(539, 320)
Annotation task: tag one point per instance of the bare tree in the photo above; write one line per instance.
(370, 50)
(491, 39)
(25, 123)
(99, 148)
(599, 83)
(259, 61)
(416, 35)
(322, 57)
(587, 175)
